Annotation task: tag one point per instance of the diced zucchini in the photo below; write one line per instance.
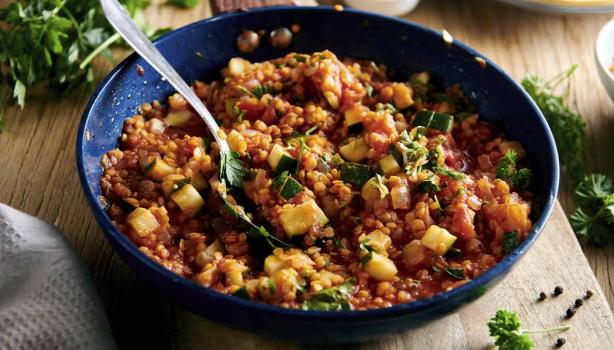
(370, 191)
(402, 96)
(298, 220)
(155, 168)
(423, 118)
(353, 119)
(379, 241)
(423, 77)
(142, 221)
(178, 118)
(280, 160)
(356, 174)
(438, 239)
(188, 199)
(286, 185)
(237, 66)
(206, 256)
(173, 182)
(380, 267)
(355, 150)
(272, 264)
(434, 120)
(198, 181)
(389, 166)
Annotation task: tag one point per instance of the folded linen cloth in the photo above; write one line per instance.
(47, 300)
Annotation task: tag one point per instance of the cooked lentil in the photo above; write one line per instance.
(432, 220)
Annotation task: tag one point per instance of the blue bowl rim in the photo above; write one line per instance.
(111, 232)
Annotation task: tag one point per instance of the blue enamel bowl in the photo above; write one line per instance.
(201, 49)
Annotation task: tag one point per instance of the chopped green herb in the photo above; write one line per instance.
(456, 272)
(331, 299)
(241, 293)
(272, 288)
(505, 328)
(300, 58)
(366, 251)
(369, 90)
(593, 220)
(430, 185)
(380, 186)
(451, 173)
(232, 169)
(506, 170)
(510, 241)
(262, 90)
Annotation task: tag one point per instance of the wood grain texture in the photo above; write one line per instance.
(38, 175)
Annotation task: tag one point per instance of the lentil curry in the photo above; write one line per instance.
(371, 192)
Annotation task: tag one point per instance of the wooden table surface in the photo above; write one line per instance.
(37, 163)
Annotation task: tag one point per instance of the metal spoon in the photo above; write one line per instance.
(123, 24)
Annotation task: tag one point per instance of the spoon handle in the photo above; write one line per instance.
(123, 24)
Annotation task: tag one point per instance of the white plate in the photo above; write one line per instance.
(604, 57)
(565, 6)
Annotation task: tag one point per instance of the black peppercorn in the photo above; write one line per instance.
(542, 296)
(570, 312)
(589, 294)
(559, 342)
(578, 303)
(558, 290)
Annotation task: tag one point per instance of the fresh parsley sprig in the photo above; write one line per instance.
(567, 126)
(55, 42)
(506, 330)
(593, 219)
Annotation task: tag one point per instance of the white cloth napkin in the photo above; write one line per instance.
(47, 300)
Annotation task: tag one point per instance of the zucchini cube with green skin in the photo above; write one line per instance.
(297, 221)
(280, 160)
(355, 150)
(286, 185)
(272, 264)
(178, 118)
(356, 174)
(438, 239)
(389, 166)
(156, 168)
(142, 221)
(188, 199)
(380, 267)
(353, 119)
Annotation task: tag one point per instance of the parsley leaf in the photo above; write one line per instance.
(593, 220)
(449, 172)
(506, 170)
(567, 127)
(232, 169)
(510, 241)
(54, 41)
(380, 186)
(331, 299)
(505, 328)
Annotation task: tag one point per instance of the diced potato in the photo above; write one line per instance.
(188, 199)
(402, 96)
(156, 126)
(298, 220)
(237, 66)
(178, 117)
(380, 268)
(379, 241)
(355, 150)
(142, 221)
(236, 141)
(275, 155)
(156, 168)
(438, 239)
(272, 264)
